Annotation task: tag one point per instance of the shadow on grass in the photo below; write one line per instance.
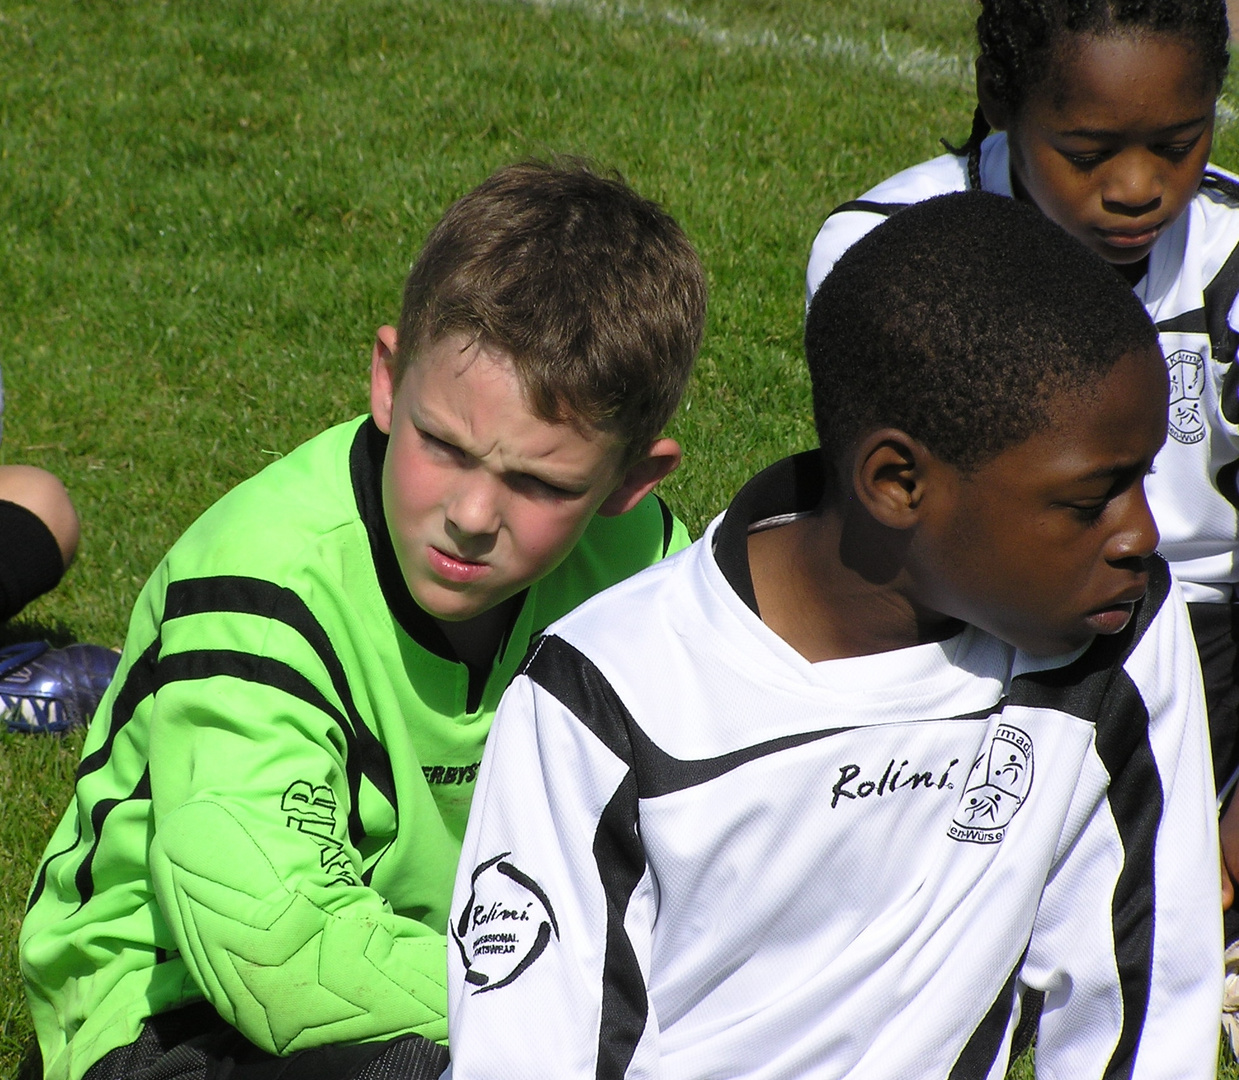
(31, 1065)
(56, 634)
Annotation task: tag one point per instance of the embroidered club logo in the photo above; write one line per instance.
(506, 925)
(997, 787)
(1187, 383)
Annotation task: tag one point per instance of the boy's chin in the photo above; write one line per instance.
(1039, 640)
(1047, 645)
(462, 609)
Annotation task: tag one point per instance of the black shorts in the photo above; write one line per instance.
(194, 1043)
(1216, 630)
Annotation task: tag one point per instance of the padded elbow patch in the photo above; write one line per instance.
(284, 971)
(30, 563)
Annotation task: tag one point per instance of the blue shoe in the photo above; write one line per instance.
(52, 690)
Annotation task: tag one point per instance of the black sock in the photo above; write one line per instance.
(30, 562)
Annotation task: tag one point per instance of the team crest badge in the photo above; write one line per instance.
(997, 787)
(506, 925)
(1187, 383)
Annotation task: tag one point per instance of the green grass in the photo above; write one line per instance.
(207, 208)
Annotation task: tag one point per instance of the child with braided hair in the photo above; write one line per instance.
(1101, 114)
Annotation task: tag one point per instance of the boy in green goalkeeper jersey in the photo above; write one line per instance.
(255, 872)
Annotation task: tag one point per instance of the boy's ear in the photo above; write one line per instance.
(994, 111)
(383, 377)
(888, 477)
(662, 459)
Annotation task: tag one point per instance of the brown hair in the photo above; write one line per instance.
(595, 293)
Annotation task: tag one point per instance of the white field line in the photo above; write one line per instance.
(918, 64)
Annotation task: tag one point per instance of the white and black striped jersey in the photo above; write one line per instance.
(1189, 292)
(694, 854)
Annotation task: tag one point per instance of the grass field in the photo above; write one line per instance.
(207, 208)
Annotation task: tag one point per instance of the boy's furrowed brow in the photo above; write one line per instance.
(575, 483)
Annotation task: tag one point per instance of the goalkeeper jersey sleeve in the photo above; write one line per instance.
(270, 804)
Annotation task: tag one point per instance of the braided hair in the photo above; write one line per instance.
(1018, 38)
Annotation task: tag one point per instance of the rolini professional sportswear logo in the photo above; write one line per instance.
(505, 926)
(997, 787)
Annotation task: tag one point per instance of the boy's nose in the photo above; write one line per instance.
(1138, 536)
(474, 508)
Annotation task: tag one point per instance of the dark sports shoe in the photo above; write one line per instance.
(52, 690)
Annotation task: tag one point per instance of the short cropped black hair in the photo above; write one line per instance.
(957, 321)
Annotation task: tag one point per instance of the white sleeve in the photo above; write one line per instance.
(838, 233)
(553, 907)
(1127, 944)
(851, 221)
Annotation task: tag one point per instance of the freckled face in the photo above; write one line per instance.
(481, 496)
(1044, 546)
(1112, 143)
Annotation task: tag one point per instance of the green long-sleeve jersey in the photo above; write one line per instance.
(272, 796)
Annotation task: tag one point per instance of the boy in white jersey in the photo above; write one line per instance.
(1102, 114)
(907, 749)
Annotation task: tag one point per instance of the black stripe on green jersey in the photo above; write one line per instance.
(84, 879)
(367, 874)
(256, 596)
(40, 880)
(364, 756)
(139, 683)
